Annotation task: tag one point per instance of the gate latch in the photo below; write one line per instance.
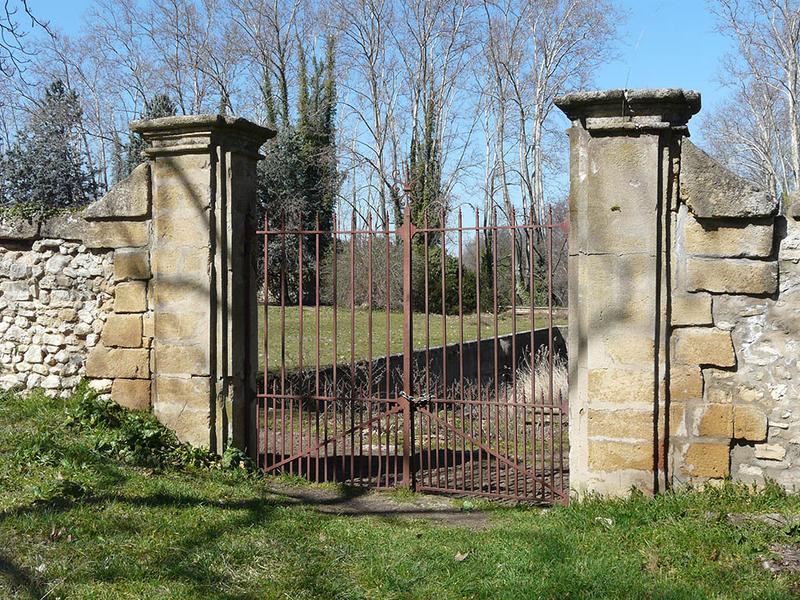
(416, 400)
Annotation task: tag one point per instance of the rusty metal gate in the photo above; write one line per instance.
(424, 356)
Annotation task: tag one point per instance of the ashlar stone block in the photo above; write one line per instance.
(625, 424)
(716, 421)
(749, 423)
(620, 386)
(707, 460)
(128, 363)
(732, 276)
(615, 456)
(727, 238)
(704, 346)
(182, 360)
(691, 309)
(131, 264)
(124, 331)
(130, 297)
(133, 394)
(685, 383)
(117, 234)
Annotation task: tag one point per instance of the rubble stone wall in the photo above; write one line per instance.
(736, 328)
(150, 291)
(74, 284)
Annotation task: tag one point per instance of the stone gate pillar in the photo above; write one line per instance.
(202, 289)
(623, 150)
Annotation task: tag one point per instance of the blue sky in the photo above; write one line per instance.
(665, 43)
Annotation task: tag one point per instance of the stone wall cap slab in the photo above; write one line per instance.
(711, 191)
(672, 104)
(18, 228)
(64, 226)
(128, 198)
(195, 123)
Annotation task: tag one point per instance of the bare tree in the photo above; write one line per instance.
(764, 73)
(371, 92)
(16, 22)
(535, 51)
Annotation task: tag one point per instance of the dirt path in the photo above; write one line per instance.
(369, 503)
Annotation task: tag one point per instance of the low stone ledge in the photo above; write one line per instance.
(732, 276)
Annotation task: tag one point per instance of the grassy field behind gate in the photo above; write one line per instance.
(85, 514)
(438, 332)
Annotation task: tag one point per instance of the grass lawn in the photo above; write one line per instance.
(437, 332)
(75, 522)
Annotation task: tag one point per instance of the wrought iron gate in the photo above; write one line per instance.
(415, 356)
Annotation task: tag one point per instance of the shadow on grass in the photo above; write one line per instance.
(20, 578)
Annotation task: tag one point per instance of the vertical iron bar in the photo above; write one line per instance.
(532, 269)
(428, 343)
(447, 432)
(496, 348)
(408, 340)
(479, 394)
(388, 334)
(334, 396)
(515, 419)
(266, 343)
(300, 338)
(369, 344)
(316, 348)
(283, 338)
(353, 394)
(461, 356)
(550, 341)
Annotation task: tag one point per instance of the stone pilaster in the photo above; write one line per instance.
(202, 289)
(624, 146)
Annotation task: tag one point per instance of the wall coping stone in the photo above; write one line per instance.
(195, 134)
(129, 198)
(18, 228)
(619, 109)
(712, 192)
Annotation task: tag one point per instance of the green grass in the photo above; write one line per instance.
(75, 523)
(438, 333)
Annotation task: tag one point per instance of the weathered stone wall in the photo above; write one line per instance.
(684, 306)
(54, 298)
(150, 291)
(73, 285)
(736, 319)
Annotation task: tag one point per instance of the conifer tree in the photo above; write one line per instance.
(160, 106)
(45, 169)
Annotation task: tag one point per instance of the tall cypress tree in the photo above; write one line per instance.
(298, 179)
